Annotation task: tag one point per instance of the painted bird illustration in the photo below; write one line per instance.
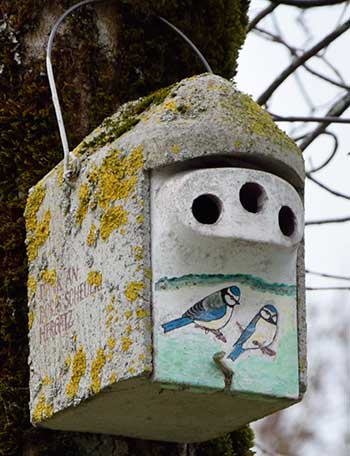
(260, 333)
(211, 313)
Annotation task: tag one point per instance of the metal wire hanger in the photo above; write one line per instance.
(70, 172)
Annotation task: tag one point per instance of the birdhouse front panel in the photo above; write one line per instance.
(224, 280)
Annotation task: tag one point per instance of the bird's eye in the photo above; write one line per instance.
(206, 209)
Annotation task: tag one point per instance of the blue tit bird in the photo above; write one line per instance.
(260, 333)
(211, 313)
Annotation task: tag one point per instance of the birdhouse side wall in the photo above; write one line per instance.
(89, 280)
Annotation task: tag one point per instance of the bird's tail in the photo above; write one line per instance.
(236, 351)
(178, 323)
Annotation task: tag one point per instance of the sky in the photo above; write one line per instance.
(325, 409)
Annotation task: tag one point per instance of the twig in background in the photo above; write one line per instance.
(331, 156)
(336, 110)
(324, 274)
(325, 221)
(261, 16)
(264, 97)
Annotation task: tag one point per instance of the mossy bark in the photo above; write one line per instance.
(103, 56)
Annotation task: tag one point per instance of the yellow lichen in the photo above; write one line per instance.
(117, 176)
(141, 357)
(138, 253)
(170, 105)
(110, 343)
(48, 277)
(128, 330)
(132, 290)
(30, 319)
(60, 175)
(131, 370)
(35, 198)
(91, 237)
(112, 219)
(42, 410)
(108, 321)
(112, 378)
(78, 370)
(94, 278)
(31, 286)
(109, 307)
(109, 356)
(46, 380)
(127, 314)
(74, 338)
(96, 367)
(237, 144)
(175, 149)
(126, 342)
(141, 313)
(148, 273)
(38, 236)
(139, 218)
(83, 203)
(92, 176)
(67, 362)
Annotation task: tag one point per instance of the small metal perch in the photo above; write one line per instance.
(220, 362)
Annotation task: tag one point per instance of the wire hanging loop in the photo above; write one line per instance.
(72, 167)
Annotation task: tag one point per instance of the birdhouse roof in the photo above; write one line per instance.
(200, 117)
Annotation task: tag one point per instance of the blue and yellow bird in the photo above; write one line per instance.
(211, 313)
(259, 334)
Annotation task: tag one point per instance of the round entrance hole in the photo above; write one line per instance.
(287, 221)
(252, 197)
(206, 209)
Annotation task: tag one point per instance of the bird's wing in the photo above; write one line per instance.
(213, 301)
(199, 312)
(246, 334)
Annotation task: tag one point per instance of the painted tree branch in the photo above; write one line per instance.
(264, 97)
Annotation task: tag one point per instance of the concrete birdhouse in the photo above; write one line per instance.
(166, 295)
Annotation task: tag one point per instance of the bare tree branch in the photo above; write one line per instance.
(326, 78)
(308, 3)
(301, 60)
(325, 221)
(261, 16)
(336, 110)
(295, 52)
(326, 288)
(330, 276)
(330, 119)
(331, 156)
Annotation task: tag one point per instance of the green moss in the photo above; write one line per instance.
(237, 443)
(112, 128)
(257, 122)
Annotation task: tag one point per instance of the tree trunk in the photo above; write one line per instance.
(104, 55)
